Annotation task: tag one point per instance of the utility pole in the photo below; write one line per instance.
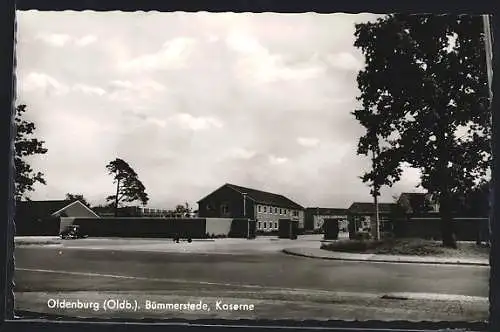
(245, 214)
(488, 45)
(375, 199)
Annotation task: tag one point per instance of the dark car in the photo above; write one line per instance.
(72, 232)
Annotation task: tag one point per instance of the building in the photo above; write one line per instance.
(417, 203)
(43, 217)
(315, 218)
(363, 216)
(232, 201)
(136, 211)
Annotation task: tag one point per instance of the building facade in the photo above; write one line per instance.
(363, 216)
(232, 201)
(316, 216)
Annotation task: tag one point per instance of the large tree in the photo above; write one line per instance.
(77, 197)
(424, 95)
(128, 186)
(26, 145)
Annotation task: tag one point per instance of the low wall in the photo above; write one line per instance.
(142, 227)
(46, 227)
(195, 228)
(218, 226)
(466, 229)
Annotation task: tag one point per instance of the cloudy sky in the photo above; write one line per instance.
(195, 100)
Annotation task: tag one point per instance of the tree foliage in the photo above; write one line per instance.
(77, 197)
(128, 186)
(424, 95)
(26, 145)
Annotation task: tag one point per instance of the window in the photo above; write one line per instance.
(259, 208)
(295, 213)
(224, 209)
(259, 225)
(270, 209)
(265, 225)
(265, 209)
(281, 211)
(275, 210)
(276, 224)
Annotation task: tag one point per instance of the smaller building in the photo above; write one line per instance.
(43, 217)
(417, 203)
(363, 216)
(315, 218)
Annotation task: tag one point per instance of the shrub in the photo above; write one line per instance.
(362, 236)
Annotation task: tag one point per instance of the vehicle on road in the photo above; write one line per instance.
(72, 232)
(178, 238)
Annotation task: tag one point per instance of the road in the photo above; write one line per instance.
(278, 285)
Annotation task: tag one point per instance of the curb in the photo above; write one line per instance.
(36, 243)
(288, 252)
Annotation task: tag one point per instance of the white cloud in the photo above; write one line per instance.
(172, 55)
(89, 90)
(240, 153)
(42, 82)
(188, 121)
(345, 61)
(274, 160)
(308, 141)
(86, 40)
(121, 84)
(134, 92)
(54, 39)
(261, 66)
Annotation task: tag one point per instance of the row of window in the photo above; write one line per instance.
(275, 210)
(267, 225)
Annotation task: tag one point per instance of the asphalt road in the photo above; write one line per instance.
(278, 285)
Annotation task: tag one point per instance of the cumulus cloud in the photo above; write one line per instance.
(240, 153)
(260, 65)
(86, 40)
(308, 141)
(89, 90)
(54, 39)
(172, 55)
(188, 121)
(35, 81)
(275, 160)
(61, 39)
(345, 61)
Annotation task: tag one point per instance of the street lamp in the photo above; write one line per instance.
(245, 213)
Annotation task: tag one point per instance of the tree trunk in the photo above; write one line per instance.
(447, 224)
(116, 198)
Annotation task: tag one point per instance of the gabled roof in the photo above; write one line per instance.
(262, 197)
(326, 211)
(369, 208)
(79, 203)
(29, 210)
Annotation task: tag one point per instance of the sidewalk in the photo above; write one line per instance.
(333, 255)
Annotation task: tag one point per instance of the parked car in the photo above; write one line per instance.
(72, 232)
